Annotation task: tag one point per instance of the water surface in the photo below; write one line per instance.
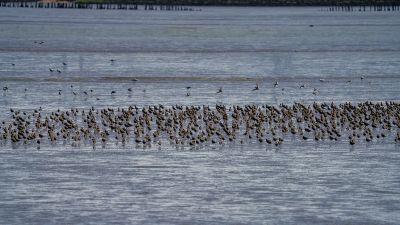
(301, 182)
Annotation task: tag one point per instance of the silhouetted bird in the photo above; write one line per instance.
(256, 88)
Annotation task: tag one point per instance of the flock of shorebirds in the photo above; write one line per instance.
(86, 93)
(90, 93)
(204, 125)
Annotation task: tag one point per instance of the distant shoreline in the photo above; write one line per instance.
(227, 2)
(194, 5)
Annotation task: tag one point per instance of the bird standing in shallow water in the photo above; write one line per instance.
(219, 90)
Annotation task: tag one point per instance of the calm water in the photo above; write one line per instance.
(301, 182)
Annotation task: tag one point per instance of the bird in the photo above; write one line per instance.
(362, 77)
(59, 92)
(129, 89)
(188, 87)
(12, 64)
(256, 88)
(85, 93)
(315, 91)
(58, 71)
(276, 84)
(51, 70)
(302, 86)
(219, 90)
(188, 94)
(64, 63)
(5, 88)
(134, 79)
(321, 80)
(113, 92)
(112, 60)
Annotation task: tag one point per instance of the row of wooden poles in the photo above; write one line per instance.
(349, 8)
(72, 5)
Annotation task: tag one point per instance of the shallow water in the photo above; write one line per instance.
(301, 182)
(302, 185)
